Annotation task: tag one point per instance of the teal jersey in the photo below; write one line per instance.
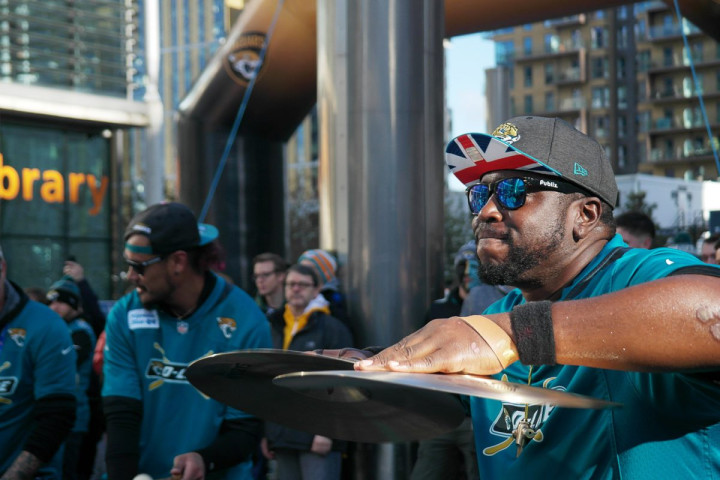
(82, 377)
(146, 354)
(668, 426)
(37, 359)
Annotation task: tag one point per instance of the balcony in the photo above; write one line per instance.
(572, 104)
(570, 75)
(679, 94)
(568, 21)
(681, 63)
(668, 32)
(662, 155)
(674, 126)
(567, 47)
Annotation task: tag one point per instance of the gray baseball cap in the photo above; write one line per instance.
(549, 146)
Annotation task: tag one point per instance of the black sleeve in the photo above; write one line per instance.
(83, 345)
(237, 441)
(91, 309)
(54, 417)
(122, 418)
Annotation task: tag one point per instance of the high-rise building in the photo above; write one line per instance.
(623, 76)
(87, 88)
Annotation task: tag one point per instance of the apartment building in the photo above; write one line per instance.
(623, 76)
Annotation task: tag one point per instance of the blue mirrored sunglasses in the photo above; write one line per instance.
(512, 192)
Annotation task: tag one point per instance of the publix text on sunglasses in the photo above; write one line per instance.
(511, 192)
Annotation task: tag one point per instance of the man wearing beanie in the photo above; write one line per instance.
(325, 266)
(37, 384)
(64, 299)
(179, 311)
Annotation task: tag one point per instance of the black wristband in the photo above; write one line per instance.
(532, 328)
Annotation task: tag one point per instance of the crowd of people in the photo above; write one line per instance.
(553, 291)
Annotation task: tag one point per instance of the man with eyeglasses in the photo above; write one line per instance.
(179, 311)
(588, 315)
(304, 324)
(37, 385)
(269, 277)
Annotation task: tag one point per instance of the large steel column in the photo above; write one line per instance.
(380, 108)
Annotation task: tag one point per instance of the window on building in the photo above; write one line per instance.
(552, 43)
(550, 74)
(641, 90)
(668, 90)
(527, 46)
(598, 37)
(667, 25)
(668, 57)
(601, 125)
(622, 35)
(643, 60)
(697, 51)
(513, 107)
(528, 104)
(621, 67)
(641, 152)
(622, 96)
(599, 67)
(511, 77)
(600, 97)
(622, 13)
(621, 126)
(643, 121)
(527, 76)
(576, 39)
(550, 101)
(600, 14)
(641, 29)
(504, 52)
(622, 156)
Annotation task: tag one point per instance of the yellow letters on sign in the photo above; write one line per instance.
(52, 189)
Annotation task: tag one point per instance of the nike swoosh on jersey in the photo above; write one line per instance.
(67, 350)
(668, 261)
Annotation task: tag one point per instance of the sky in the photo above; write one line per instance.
(466, 59)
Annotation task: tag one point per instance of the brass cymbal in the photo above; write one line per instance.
(388, 413)
(347, 382)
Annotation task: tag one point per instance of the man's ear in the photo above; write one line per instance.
(586, 215)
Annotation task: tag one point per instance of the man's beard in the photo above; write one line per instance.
(512, 271)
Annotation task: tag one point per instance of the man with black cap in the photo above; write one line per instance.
(588, 315)
(64, 299)
(37, 385)
(179, 311)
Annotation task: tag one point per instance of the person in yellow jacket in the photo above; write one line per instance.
(304, 324)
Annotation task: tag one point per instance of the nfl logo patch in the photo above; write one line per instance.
(182, 327)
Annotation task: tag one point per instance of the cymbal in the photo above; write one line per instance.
(347, 382)
(388, 413)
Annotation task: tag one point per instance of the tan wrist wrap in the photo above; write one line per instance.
(499, 341)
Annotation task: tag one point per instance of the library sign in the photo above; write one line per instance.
(54, 187)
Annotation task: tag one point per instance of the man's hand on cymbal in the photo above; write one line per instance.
(448, 345)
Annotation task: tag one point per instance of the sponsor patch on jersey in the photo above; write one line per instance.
(161, 369)
(141, 318)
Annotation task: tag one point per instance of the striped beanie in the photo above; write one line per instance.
(323, 262)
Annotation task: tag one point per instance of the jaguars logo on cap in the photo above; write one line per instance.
(507, 132)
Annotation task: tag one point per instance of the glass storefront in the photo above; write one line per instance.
(55, 203)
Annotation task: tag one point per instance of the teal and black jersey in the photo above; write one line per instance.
(668, 427)
(37, 360)
(146, 354)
